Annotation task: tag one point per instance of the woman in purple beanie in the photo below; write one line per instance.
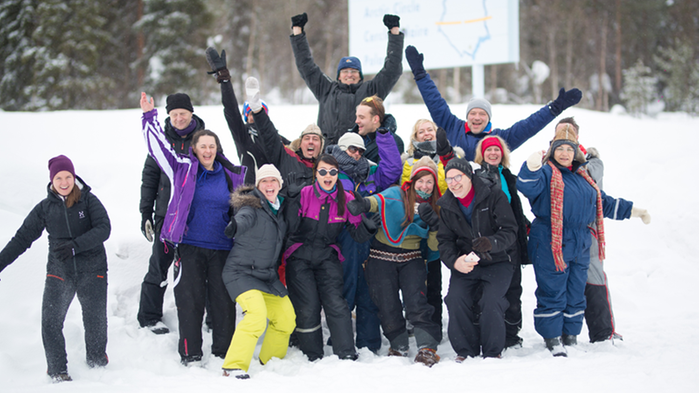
(77, 224)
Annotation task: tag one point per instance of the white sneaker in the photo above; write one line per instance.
(236, 372)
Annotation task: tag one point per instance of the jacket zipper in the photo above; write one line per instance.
(70, 233)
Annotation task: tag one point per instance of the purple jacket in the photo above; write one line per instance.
(383, 175)
(182, 172)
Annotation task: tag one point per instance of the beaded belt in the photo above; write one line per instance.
(393, 257)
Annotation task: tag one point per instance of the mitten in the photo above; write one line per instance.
(64, 250)
(428, 215)
(642, 213)
(299, 20)
(231, 228)
(534, 161)
(592, 153)
(358, 205)
(443, 145)
(565, 100)
(415, 61)
(218, 64)
(391, 21)
(252, 91)
(147, 226)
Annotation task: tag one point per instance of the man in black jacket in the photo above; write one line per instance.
(339, 97)
(371, 116)
(155, 197)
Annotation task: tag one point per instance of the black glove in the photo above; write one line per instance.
(443, 145)
(415, 61)
(376, 218)
(299, 20)
(147, 226)
(295, 183)
(428, 215)
(382, 130)
(218, 65)
(358, 205)
(565, 100)
(391, 21)
(481, 244)
(231, 228)
(64, 250)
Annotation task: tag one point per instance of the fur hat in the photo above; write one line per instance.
(349, 62)
(268, 170)
(351, 139)
(482, 104)
(566, 136)
(58, 164)
(461, 165)
(179, 101)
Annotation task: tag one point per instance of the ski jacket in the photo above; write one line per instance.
(155, 185)
(579, 208)
(253, 261)
(338, 101)
(86, 224)
(457, 129)
(492, 217)
(182, 171)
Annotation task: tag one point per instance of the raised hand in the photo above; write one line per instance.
(565, 100)
(146, 105)
(415, 60)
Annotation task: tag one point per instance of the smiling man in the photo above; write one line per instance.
(339, 97)
(370, 117)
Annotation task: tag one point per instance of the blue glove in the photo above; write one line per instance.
(565, 100)
(415, 61)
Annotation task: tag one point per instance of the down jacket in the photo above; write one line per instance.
(253, 260)
(86, 224)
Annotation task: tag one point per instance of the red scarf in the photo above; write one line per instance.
(557, 187)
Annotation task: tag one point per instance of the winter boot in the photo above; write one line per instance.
(397, 352)
(236, 372)
(554, 345)
(427, 356)
(61, 377)
(569, 340)
(159, 328)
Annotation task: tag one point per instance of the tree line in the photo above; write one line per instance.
(82, 54)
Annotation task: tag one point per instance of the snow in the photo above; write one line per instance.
(652, 269)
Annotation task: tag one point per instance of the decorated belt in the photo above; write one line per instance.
(393, 257)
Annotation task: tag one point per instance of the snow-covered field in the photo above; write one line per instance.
(652, 269)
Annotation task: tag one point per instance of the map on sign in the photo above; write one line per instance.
(450, 33)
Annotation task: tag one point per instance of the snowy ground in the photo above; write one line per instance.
(652, 269)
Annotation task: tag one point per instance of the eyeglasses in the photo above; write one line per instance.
(354, 149)
(456, 178)
(324, 172)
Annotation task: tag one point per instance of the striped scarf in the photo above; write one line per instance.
(557, 187)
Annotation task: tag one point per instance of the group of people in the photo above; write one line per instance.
(341, 219)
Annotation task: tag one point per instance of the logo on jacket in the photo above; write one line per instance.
(81, 214)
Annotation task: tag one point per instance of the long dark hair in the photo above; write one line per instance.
(330, 160)
(409, 197)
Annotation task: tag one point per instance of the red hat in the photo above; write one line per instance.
(490, 141)
(58, 164)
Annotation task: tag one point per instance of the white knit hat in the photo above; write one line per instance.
(268, 170)
(351, 139)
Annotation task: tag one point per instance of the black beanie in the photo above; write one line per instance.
(460, 164)
(179, 101)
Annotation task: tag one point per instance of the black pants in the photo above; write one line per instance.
(513, 314)
(598, 314)
(387, 280)
(198, 274)
(313, 284)
(59, 291)
(150, 309)
(434, 292)
(466, 338)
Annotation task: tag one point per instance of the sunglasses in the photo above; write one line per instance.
(354, 149)
(456, 178)
(324, 172)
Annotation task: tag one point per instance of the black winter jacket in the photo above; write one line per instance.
(253, 260)
(338, 101)
(492, 217)
(155, 185)
(86, 224)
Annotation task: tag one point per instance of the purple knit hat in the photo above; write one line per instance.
(58, 164)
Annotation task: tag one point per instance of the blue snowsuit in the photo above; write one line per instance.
(560, 295)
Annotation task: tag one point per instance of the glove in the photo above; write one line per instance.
(481, 244)
(295, 183)
(218, 65)
(358, 205)
(443, 145)
(415, 61)
(147, 227)
(64, 250)
(252, 91)
(376, 218)
(592, 153)
(231, 228)
(391, 21)
(382, 130)
(299, 20)
(428, 215)
(534, 161)
(642, 213)
(565, 100)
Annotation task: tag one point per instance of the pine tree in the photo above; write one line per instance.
(639, 88)
(680, 73)
(16, 52)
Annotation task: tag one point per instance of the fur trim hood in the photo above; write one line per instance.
(245, 196)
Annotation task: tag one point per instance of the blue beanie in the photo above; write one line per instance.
(350, 62)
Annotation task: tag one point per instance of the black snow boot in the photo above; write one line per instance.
(569, 340)
(554, 345)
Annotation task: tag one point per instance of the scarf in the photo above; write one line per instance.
(557, 187)
(357, 170)
(191, 127)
